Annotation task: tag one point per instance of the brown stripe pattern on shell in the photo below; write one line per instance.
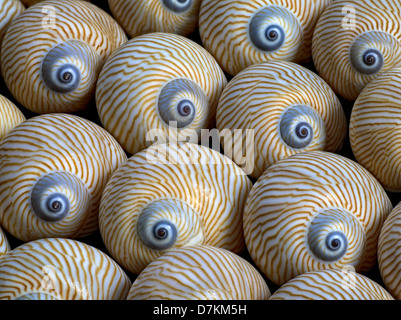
(61, 269)
(10, 116)
(199, 273)
(52, 55)
(314, 210)
(169, 196)
(53, 169)
(9, 10)
(4, 243)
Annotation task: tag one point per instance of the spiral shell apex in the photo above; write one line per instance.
(331, 285)
(169, 196)
(140, 17)
(10, 116)
(53, 171)
(52, 55)
(375, 133)
(288, 108)
(355, 41)
(61, 269)
(314, 210)
(199, 273)
(155, 83)
(243, 33)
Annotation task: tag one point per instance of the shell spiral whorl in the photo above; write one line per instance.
(199, 272)
(153, 80)
(67, 43)
(355, 41)
(302, 215)
(243, 33)
(170, 196)
(289, 108)
(171, 16)
(53, 170)
(61, 269)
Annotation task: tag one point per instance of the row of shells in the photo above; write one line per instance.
(106, 121)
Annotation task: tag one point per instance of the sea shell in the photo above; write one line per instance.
(53, 169)
(61, 269)
(245, 32)
(4, 243)
(331, 284)
(156, 83)
(138, 17)
(10, 116)
(375, 134)
(52, 55)
(288, 108)
(314, 210)
(169, 196)
(354, 41)
(29, 3)
(389, 252)
(9, 10)
(199, 273)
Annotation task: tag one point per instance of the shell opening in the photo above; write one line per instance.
(178, 6)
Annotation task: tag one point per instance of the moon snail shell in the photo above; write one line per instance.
(67, 43)
(354, 42)
(4, 243)
(61, 269)
(156, 84)
(302, 215)
(10, 116)
(331, 284)
(170, 196)
(29, 3)
(242, 33)
(54, 169)
(199, 272)
(9, 10)
(288, 108)
(171, 16)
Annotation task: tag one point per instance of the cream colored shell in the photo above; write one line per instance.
(52, 55)
(235, 32)
(142, 84)
(331, 285)
(67, 160)
(389, 252)
(199, 273)
(274, 99)
(314, 210)
(9, 10)
(347, 34)
(29, 3)
(61, 269)
(10, 116)
(139, 17)
(375, 133)
(4, 243)
(193, 192)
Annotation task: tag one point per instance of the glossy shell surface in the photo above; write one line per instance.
(10, 116)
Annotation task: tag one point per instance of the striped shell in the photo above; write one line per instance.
(138, 17)
(66, 43)
(61, 269)
(314, 210)
(53, 170)
(331, 285)
(354, 41)
(4, 244)
(10, 116)
(289, 108)
(375, 133)
(9, 10)
(199, 273)
(29, 3)
(389, 252)
(169, 196)
(155, 83)
(245, 32)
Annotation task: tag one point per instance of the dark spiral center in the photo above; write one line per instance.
(302, 130)
(335, 243)
(161, 233)
(272, 35)
(370, 59)
(185, 108)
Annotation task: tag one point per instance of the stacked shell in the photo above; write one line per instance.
(169, 196)
(288, 108)
(52, 55)
(10, 116)
(53, 169)
(156, 84)
(9, 10)
(61, 269)
(243, 33)
(314, 210)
